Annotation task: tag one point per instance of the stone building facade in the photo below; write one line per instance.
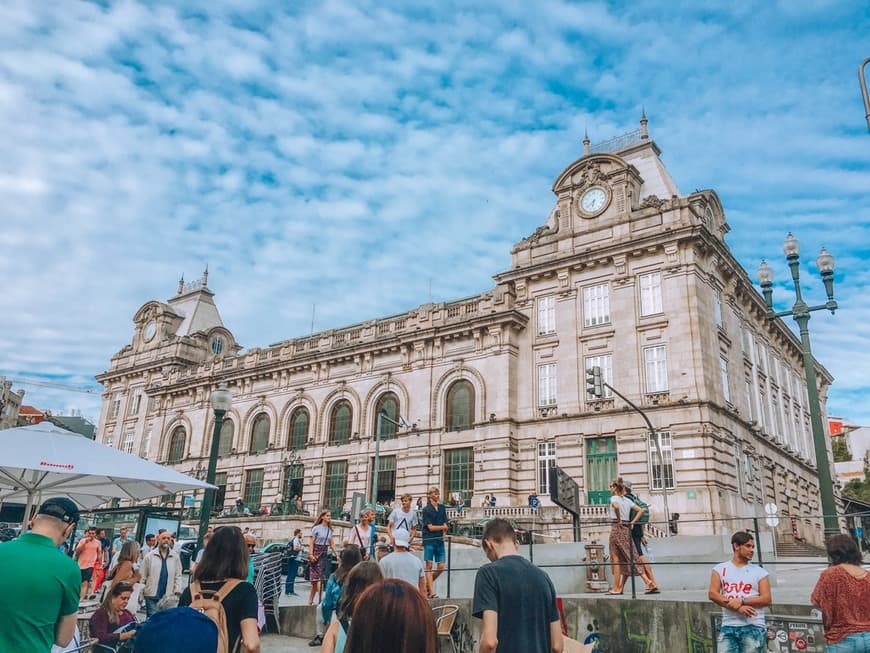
(626, 273)
(10, 404)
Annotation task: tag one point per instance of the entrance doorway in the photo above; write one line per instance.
(600, 468)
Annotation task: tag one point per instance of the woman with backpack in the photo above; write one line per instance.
(319, 542)
(350, 557)
(360, 578)
(220, 590)
(624, 514)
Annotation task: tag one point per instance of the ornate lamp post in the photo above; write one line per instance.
(221, 399)
(800, 311)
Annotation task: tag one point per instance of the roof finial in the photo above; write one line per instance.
(644, 133)
(205, 277)
(181, 284)
(586, 142)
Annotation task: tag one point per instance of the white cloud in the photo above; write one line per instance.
(331, 154)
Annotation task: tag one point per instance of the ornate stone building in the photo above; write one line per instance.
(626, 273)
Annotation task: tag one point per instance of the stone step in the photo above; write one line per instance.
(797, 549)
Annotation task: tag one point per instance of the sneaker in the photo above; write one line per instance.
(317, 641)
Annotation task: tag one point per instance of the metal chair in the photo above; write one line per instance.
(267, 582)
(445, 616)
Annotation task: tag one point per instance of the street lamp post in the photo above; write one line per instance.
(800, 311)
(221, 399)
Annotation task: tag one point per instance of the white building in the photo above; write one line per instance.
(626, 273)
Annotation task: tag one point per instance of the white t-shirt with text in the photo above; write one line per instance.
(740, 582)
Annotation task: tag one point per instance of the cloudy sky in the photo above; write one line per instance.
(368, 157)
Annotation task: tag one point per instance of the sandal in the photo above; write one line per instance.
(612, 593)
(653, 590)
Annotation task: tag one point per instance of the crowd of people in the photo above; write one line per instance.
(377, 593)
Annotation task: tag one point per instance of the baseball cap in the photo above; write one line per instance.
(60, 508)
(627, 484)
(401, 537)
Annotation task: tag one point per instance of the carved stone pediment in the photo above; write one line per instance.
(652, 201)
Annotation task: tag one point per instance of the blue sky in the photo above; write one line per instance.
(368, 157)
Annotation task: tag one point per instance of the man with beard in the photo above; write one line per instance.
(161, 573)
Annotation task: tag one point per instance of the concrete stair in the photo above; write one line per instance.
(796, 549)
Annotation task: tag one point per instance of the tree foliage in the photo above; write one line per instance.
(859, 490)
(840, 449)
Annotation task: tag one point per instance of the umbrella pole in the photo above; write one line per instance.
(27, 510)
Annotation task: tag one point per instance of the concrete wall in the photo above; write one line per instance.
(681, 562)
(623, 626)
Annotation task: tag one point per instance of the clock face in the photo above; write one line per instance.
(593, 200)
(150, 330)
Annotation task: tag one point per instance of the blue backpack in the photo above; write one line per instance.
(177, 629)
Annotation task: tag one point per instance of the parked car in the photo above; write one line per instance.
(187, 552)
(475, 529)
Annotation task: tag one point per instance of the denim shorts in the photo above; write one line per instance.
(742, 639)
(856, 643)
(433, 551)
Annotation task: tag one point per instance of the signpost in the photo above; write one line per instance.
(565, 493)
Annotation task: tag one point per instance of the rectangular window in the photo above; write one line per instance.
(605, 362)
(220, 479)
(127, 442)
(656, 368)
(546, 315)
(749, 400)
(546, 462)
(661, 470)
(253, 488)
(650, 293)
(459, 474)
(136, 402)
(596, 305)
(116, 405)
(723, 375)
(146, 444)
(336, 485)
(386, 478)
(547, 385)
(717, 306)
(738, 464)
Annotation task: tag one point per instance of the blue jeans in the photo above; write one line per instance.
(433, 550)
(292, 571)
(857, 643)
(742, 639)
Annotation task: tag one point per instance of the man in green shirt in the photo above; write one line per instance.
(40, 585)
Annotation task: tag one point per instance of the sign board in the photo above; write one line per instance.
(564, 491)
(772, 521)
(785, 634)
(356, 505)
(770, 508)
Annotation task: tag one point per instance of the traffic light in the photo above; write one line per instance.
(594, 385)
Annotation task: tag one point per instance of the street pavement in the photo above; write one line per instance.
(280, 644)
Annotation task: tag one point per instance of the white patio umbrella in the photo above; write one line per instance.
(45, 460)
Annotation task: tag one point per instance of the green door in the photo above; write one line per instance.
(600, 468)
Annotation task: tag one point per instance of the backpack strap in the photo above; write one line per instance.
(195, 591)
(225, 589)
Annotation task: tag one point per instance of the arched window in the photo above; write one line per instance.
(225, 443)
(298, 429)
(176, 445)
(460, 406)
(389, 403)
(339, 423)
(260, 433)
